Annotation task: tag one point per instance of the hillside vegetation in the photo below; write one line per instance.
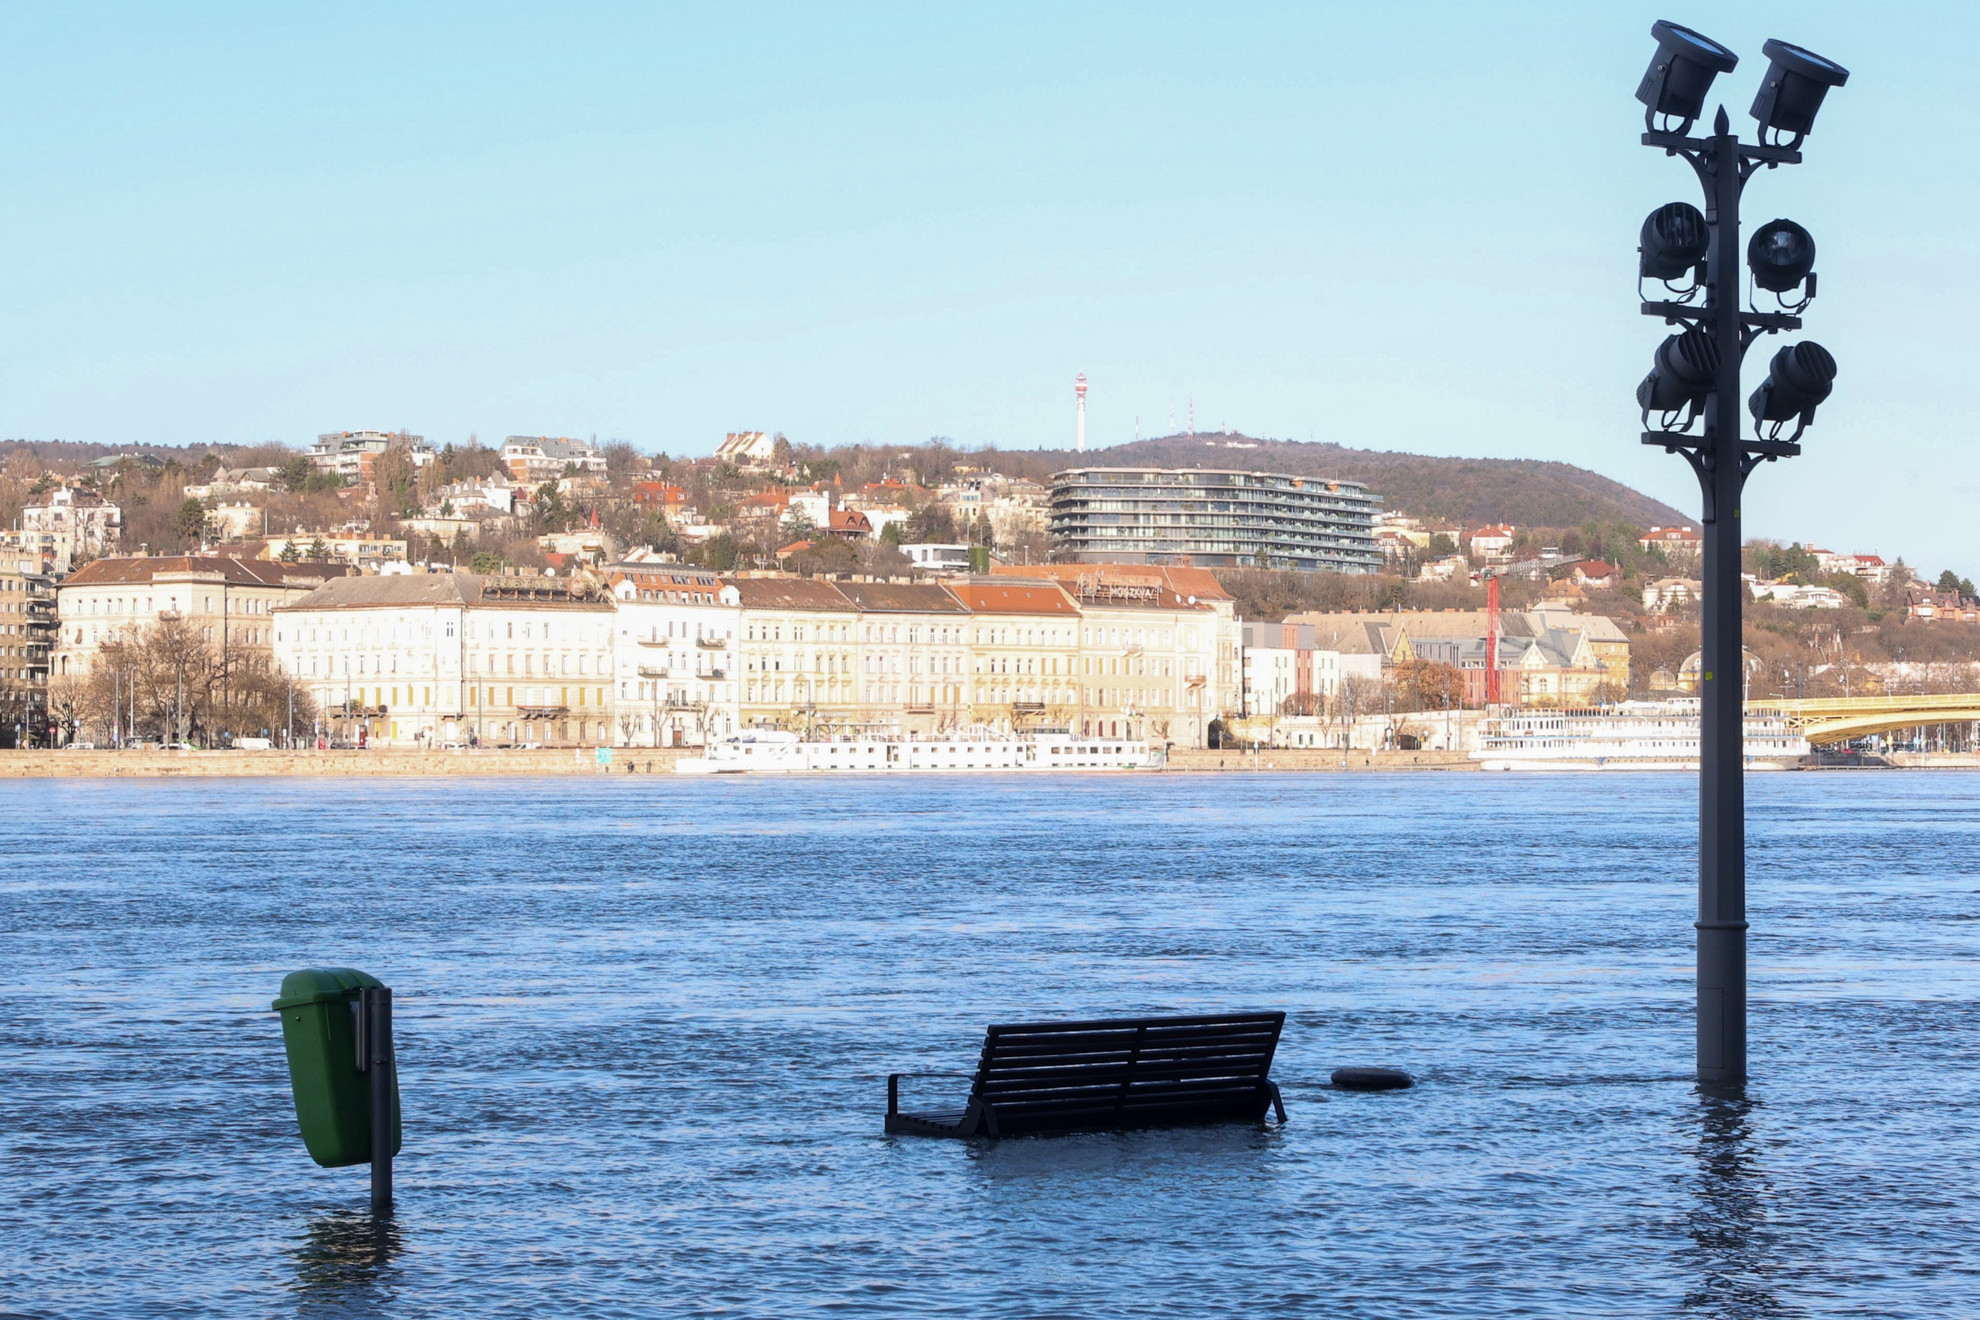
(1524, 492)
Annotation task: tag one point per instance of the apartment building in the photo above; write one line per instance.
(675, 655)
(412, 659)
(1280, 669)
(1152, 663)
(69, 524)
(534, 459)
(1160, 651)
(1023, 652)
(914, 654)
(352, 455)
(799, 643)
(346, 547)
(230, 601)
(27, 629)
(1217, 518)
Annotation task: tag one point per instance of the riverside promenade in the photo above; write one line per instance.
(390, 762)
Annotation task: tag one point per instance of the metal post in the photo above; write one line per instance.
(376, 1004)
(1721, 920)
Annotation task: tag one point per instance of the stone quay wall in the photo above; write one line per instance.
(109, 764)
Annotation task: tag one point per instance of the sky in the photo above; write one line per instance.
(1400, 226)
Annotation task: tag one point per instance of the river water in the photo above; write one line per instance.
(644, 1025)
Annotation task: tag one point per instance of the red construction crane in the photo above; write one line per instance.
(1492, 640)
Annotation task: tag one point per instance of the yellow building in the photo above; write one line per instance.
(914, 654)
(1158, 649)
(797, 652)
(1023, 653)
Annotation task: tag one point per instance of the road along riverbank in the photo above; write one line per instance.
(389, 762)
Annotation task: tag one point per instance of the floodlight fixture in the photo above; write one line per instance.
(1686, 367)
(1793, 89)
(1681, 72)
(1781, 254)
(1673, 242)
(1799, 378)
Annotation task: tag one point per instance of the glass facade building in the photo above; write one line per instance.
(1213, 519)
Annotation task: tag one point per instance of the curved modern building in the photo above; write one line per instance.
(1213, 519)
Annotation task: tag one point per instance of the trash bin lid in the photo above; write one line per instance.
(314, 985)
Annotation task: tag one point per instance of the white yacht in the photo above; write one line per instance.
(1635, 735)
(771, 751)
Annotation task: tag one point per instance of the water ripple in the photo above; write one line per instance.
(644, 1027)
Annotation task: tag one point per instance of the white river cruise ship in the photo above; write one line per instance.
(769, 751)
(1635, 735)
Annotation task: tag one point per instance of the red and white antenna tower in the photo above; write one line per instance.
(1079, 393)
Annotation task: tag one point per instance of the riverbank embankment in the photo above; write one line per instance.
(384, 762)
(389, 762)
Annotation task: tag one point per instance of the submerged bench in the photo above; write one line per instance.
(1103, 1075)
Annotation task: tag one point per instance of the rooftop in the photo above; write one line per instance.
(1002, 595)
(784, 593)
(240, 572)
(900, 597)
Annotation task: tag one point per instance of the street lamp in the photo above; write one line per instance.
(1673, 242)
(1781, 255)
(1681, 73)
(1696, 376)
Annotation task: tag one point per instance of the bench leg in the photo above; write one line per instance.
(978, 1120)
(1278, 1105)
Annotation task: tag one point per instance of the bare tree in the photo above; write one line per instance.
(180, 686)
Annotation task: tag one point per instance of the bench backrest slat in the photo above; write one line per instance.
(1126, 1070)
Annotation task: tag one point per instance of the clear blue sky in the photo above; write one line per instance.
(1402, 226)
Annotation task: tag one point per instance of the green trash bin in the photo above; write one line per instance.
(319, 1008)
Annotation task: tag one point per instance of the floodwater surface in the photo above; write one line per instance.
(644, 1026)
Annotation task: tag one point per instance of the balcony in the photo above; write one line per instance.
(712, 643)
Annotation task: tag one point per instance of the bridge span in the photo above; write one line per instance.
(1839, 719)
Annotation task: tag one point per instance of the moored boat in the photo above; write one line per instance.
(775, 751)
(1635, 735)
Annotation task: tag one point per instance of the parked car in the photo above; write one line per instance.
(82, 746)
(180, 747)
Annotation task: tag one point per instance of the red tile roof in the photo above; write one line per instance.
(1017, 597)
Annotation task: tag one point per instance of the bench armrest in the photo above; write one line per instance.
(894, 1085)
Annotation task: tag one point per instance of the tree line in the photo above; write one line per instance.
(169, 683)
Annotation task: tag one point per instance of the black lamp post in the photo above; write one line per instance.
(1696, 377)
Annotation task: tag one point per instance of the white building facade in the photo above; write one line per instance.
(674, 633)
(69, 524)
(423, 658)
